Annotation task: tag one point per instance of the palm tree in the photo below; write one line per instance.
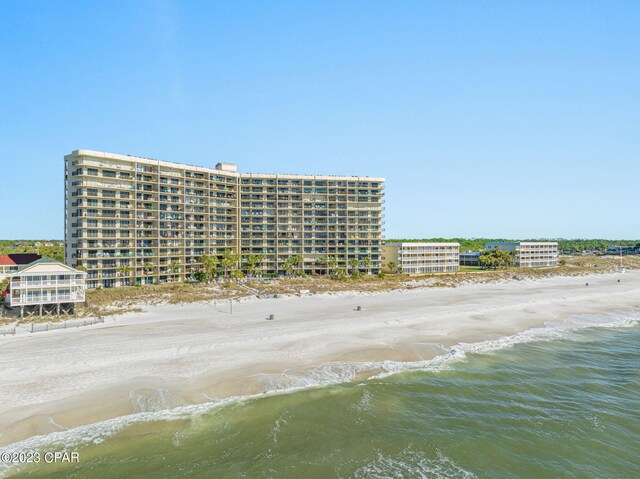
(209, 265)
(288, 266)
(391, 265)
(148, 268)
(354, 264)
(322, 261)
(366, 261)
(124, 270)
(298, 262)
(174, 267)
(229, 260)
(338, 273)
(253, 263)
(332, 262)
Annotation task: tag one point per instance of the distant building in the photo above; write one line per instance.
(11, 263)
(470, 258)
(44, 288)
(529, 254)
(421, 258)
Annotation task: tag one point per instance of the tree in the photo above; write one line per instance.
(354, 265)
(292, 264)
(53, 252)
(210, 266)
(366, 261)
(339, 273)
(322, 262)
(298, 262)
(174, 267)
(496, 258)
(253, 263)
(288, 267)
(391, 265)
(124, 270)
(3, 284)
(237, 273)
(147, 267)
(229, 261)
(332, 262)
(200, 276)
(81, 267)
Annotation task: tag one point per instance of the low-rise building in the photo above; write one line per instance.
(421, 258)
(529, 254)
(470, 258)
(44, 288)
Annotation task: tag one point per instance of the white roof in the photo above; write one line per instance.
(420, 243)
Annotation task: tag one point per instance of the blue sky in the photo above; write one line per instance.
(500, 119)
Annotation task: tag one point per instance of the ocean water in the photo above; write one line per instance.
(556, 402)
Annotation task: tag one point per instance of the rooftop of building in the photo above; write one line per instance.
(516, 243)
(17, 259)
(227, 169)
(44, 266)
(419, 243)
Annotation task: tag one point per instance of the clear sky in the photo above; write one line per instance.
(501, 119)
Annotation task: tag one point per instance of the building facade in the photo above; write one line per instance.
(137, 220)
(529, 254)
(422, 258)
(470, 258)
(45, 287)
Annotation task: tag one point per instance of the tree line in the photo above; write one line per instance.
(53, 249)
(232, 266)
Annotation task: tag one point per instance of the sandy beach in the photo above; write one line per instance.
(176, 355)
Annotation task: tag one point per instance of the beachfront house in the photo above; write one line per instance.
(423, 257)
(44, 288)
(529, 254)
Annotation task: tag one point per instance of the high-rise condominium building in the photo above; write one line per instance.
(137, 220)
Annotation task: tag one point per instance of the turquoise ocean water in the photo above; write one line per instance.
(559, 402)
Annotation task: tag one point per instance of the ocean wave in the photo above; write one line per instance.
(410, 463)
(323, 375)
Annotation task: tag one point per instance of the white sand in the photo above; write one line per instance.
(175, 355)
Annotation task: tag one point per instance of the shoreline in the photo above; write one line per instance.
(174, 356)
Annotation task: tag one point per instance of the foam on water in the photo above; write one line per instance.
(157, 404)
(412, 464)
